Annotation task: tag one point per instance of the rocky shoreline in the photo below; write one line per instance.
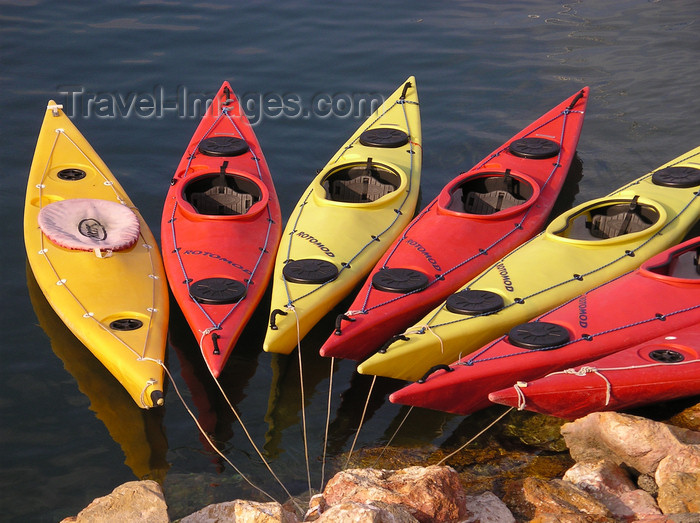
(623, 468)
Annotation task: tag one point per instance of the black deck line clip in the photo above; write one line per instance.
(215, 340)
(273, 317)
(444, 367)
(405, 88)
(575, 100)
(397, 337)
(338, 320)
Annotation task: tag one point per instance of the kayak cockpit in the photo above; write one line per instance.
(490, 193)
(681, 264)
(222, 194)
(360, 183)
(609, 220)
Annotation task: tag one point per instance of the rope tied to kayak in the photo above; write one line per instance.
(588, 369)
(214, 338)
(582, 371)
(592, 370)
(442, 344)
(212, 444)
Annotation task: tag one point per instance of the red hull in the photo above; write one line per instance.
(428, 244)
(220, 229)
(628, 378)
(659, 298)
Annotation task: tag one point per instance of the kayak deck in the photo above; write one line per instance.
(478, 217)
(351, 212)
(221, 226)
(560, 263)
(126, 331)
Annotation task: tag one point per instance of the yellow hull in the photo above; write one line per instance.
(138, 432)
(88, 292)
(561, 263)
(345, 221)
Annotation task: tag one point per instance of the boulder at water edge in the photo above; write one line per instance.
(429, 493)
(140, 501)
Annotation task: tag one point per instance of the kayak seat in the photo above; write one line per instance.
(490, 194)
(360, 183)
(613, 225)
(221, 201)
(222, 195)
(612, 221)
(490, 202)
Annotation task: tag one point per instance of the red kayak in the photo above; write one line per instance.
(220, 229)
(659, 298)
(477, 218)
(662, 369)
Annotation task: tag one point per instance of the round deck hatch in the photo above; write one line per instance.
(534, 148)
(680, 177)
(223, 146)
(213, 291)
(399, 280)
(538, 335)
(474, 302)
(309, 271)
(384, 137)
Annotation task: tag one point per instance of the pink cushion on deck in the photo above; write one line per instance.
(86, 224)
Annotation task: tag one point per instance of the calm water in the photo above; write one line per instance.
(484, 70)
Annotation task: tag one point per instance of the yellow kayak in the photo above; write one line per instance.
(95, 259)
(139, 433)
(581, 249)
(349, 215)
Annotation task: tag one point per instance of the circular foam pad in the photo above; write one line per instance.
(85, 224)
